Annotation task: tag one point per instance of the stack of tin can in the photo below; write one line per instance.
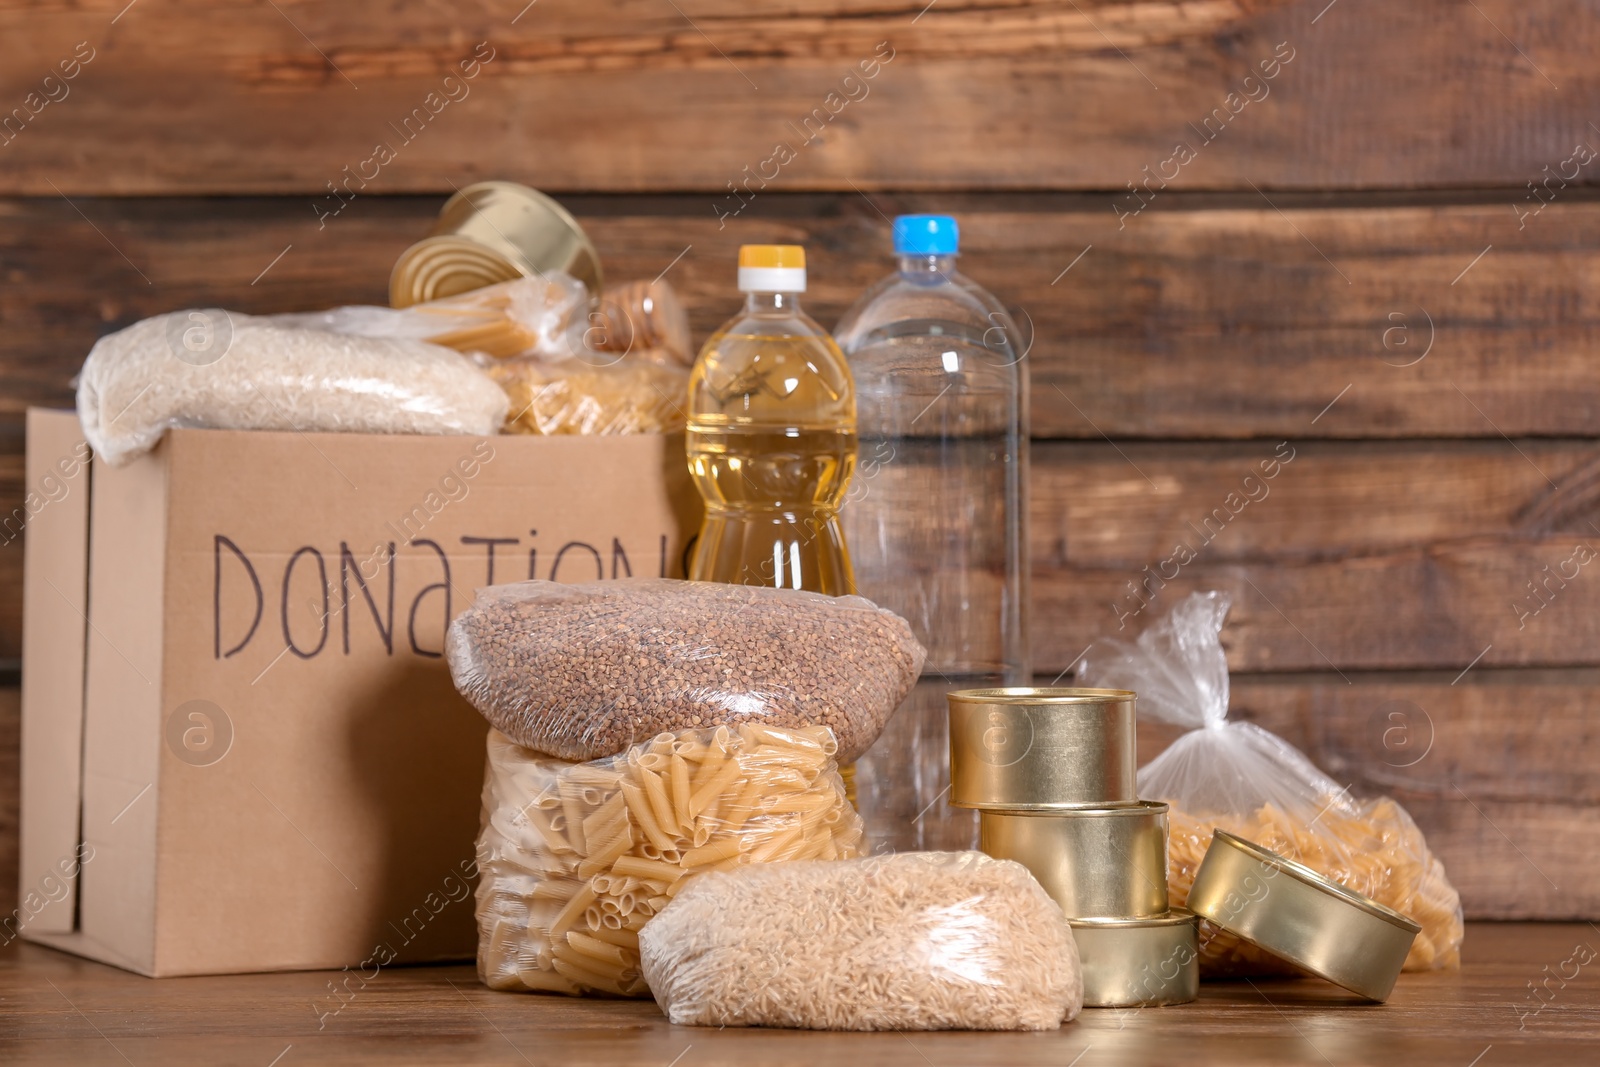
(1052, 775)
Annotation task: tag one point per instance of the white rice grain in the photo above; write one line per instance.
(909, 941)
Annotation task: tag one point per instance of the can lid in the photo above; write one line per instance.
(772, 269)
(492, 232)
(926, 235)
(1039, 696)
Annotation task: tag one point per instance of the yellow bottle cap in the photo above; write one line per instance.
(791, 256)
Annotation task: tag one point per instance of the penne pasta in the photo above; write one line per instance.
(582, 856)
(655, 870)
(627, 939)
(605, 855)
(539, 819)
(554, 889)
(573, 910)
(777, 846)
(661, 807)
(693, 751)
(597, 949)
(718, 779)
(584, 976)
(715, 852)
(678, 775)
(639, 810)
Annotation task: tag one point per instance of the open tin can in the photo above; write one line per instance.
(493, 232)
(1138, 962)
(1040, 749)
(1095, 862)
(1291, 911)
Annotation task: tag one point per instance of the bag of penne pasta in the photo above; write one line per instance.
(575, 858)
(1232, 775)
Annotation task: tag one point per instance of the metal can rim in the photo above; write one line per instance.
(1025, 696)
(1127, 809)
(1173, 917)
(1301, 873)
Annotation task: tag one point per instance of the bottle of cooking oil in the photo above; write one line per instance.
(772, 437)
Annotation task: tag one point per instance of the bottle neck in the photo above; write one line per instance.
(755, 302)
(924, 265)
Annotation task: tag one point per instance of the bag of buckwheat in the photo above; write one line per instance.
(583, 671)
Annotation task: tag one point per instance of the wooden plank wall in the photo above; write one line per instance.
(1379, 261)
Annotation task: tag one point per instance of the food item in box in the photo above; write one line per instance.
(583, 671)
(237, 372)
(1238, 777)
(575, 858)
(905, 941)
(644, 316)
(542, 316)
(586, 395)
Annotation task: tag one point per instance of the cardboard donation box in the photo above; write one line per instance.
(241, 747)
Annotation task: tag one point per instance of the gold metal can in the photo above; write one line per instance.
(1293, 912)
(493, 232)
(1108, 862)
(1138, 962)
(1031, 748)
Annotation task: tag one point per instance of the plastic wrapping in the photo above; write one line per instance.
(587, 395)
(542, 316)
(575, 858)
(644, 316)
(1251, 782)
(906, 941)
(238, 372)
(583, 671)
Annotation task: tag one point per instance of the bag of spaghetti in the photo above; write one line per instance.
(575, 858)
(1238, 777)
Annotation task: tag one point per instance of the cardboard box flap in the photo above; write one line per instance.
(56, 606)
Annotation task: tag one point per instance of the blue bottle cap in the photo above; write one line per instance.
(926, 235)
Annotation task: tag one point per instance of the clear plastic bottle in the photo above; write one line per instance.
(937, 517)
(772, 437)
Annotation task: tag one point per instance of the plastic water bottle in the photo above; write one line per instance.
(772, 437)
(937, 516)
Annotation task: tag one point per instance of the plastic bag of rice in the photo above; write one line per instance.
(229, 371)
(906, 941)
(583, 671)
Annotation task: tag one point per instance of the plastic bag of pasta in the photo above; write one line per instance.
(1251, 782)
(541, 316)
(575, 858)
(594, 393)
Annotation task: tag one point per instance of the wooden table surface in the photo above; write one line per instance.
(57, 1009)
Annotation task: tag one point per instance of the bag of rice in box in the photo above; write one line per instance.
(1238, 777)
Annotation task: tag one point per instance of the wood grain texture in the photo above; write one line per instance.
(66, 1011)
(1096, 505)
(630, 96)
(1205, 322)
(1430, 606)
